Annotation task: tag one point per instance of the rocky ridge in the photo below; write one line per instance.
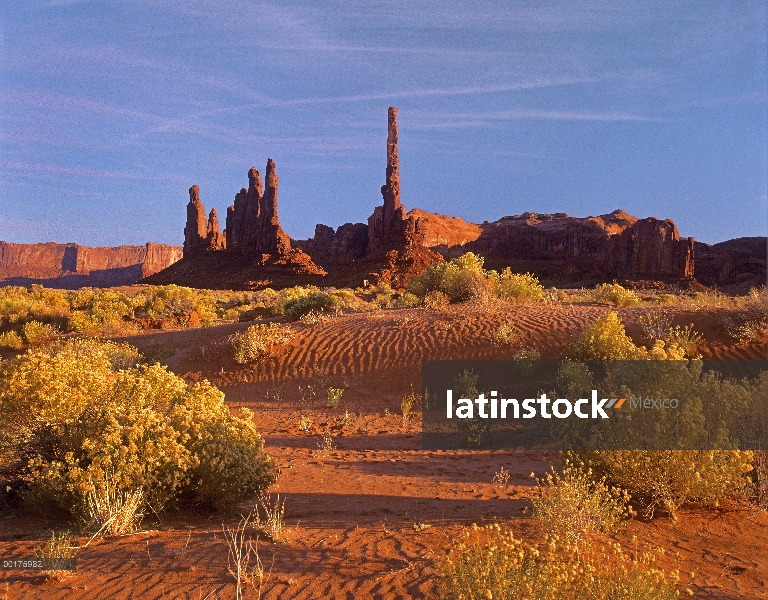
(394, 244)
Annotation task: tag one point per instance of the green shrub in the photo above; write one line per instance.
(671, 478)
(288, 295)
(575, 505)
(615, 295)
(316, 302)
(36, 332)
(258, 340)
(68, 422)
(436, 300)
(407, 300)
(461, 279)
(517, 286)
(100, 312)
(11, 339)
(176, 306)
(489, 562)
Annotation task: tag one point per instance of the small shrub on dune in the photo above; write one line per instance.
(436, 300)
(258, 340)
(36, 332)
(605, 339)
(407, 300)
(11, 339)
(615, 295)
(750, 322)
(489, 562)
(69, 421)
(316, 302)
(519, 286)
(504, 336)
(575, 504)
(175, 305)
(462, 279)
(671, 478)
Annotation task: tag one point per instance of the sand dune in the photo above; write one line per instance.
(374, 515)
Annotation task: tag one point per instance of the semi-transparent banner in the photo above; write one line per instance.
(594, 405)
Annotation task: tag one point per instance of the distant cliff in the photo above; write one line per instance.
(71, 266)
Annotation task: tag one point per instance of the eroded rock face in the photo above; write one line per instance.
(71, 266)
(196, 229)
(740, 262)
(253, 226)
(557, 245)
(341, 247)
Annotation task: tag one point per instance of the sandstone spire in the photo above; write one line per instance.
(252, 223)
(391, 189)
(214, 237)
(196, 230)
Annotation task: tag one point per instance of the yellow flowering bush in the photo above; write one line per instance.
(69, 419)
(519, 286)
(489, 563)
(614, 294)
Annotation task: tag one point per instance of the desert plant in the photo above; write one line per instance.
(407, 300)
(604, 339)
(316, 302)
(686, 338)
(527, 354)
(489, 562)
(36, 332)
(519, 286)
(258, 340)
(305, 423)
(11, 339)
(461, 279)
(334, 396)
(272, 523)
(436, 300)
(615, 295)
(750, 322)
(112, 511)
(175, 306)
(67, 418)
(407, 404)
(243, 561)
(501, 478)
(670, 478)
(59, 545)
(326, 444)
(656, 325)
(574, 505)
(504, 335)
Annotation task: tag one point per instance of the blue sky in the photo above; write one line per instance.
(110, 111)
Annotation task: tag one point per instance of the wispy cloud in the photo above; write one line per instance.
(80, 172)
(447, 120)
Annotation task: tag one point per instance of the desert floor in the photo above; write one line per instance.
(372, 516)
